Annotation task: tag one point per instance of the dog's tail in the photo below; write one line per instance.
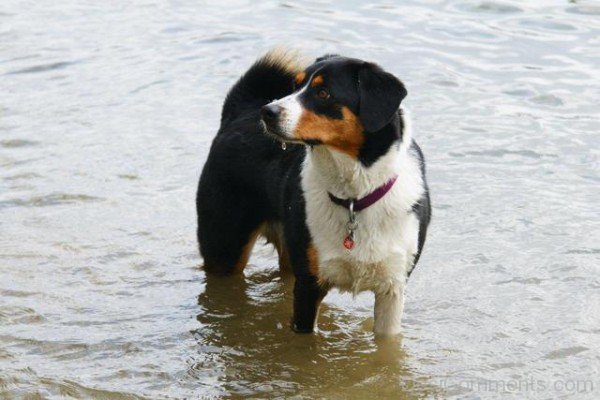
(271, 77)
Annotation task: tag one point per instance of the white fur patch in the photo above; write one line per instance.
(387, 235)
(291, 111)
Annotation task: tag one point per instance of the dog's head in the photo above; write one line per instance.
(338, 102)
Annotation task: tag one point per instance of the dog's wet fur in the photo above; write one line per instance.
(345, 134)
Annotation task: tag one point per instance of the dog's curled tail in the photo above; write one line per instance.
(270, 77)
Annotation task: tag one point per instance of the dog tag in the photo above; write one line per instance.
(283, 146)
(349, 242)
(351, 227)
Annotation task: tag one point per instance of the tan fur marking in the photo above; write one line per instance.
(345, 135)
(246, 251)
(317, 80)
(299, 78)
(273, 232)
(288, 59)
(313, 260)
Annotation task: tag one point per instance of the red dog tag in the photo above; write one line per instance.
(349, 242)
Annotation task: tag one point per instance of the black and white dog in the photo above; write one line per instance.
(341, 191)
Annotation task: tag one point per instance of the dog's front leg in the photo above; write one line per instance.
(307, 298)
(389, 306)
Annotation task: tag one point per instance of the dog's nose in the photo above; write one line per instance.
(270, 112)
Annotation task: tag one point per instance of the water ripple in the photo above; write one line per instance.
(42, 68)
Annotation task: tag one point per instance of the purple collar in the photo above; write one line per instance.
(368, 200)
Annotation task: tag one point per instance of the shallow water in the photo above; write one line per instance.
(107, 112)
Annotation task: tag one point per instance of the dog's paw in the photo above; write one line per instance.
(299, 329)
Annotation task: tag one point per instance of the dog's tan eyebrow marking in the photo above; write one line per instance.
(317, 80)
(299, 78)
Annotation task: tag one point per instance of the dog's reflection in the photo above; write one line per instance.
(245, 340)
(238, 302)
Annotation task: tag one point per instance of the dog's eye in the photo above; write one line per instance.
(323, 94)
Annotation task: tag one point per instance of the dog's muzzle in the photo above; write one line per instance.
(270, 115)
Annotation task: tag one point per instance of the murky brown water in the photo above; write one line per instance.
(107, 111)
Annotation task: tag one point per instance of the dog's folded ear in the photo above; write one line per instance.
(380, 96)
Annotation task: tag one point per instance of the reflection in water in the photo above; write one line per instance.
(245, 343)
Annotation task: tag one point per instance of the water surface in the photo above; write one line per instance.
(107, 112)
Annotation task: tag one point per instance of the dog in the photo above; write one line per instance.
(318, 159)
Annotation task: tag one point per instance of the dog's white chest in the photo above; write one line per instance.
(385, 240)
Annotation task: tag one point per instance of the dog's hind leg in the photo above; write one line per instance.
(228, 226)
(273, 231)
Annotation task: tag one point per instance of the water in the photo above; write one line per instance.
(107, 112)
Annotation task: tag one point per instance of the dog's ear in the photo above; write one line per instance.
(380, 96)
(326, 57)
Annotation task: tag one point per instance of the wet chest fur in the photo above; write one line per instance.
(386, 238)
